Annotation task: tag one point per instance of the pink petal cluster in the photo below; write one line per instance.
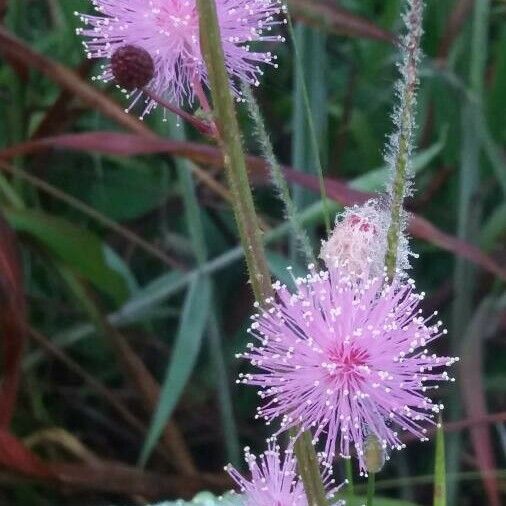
(169, 31)
(346, 357)
(273, 479)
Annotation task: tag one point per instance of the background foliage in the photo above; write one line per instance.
(129, 264)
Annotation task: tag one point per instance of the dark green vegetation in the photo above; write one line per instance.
(130, 264)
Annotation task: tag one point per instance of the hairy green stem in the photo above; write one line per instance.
(277, 176)
(244, 209)
(231, 145)
(401, 142)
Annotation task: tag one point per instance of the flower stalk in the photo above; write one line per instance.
(398, 155)
(229, 138)
(371, 482)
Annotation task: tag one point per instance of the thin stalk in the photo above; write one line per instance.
(307, 462)
(202, 126)
(371, 480)
(350, 489)
(312, 130)
(401, 141)
(277, 177)
(244, 209)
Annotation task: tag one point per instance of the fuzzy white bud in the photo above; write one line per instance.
(358, 241)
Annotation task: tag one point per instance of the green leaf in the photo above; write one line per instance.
(78, 248)
(127, 193)
(184, 356)
(117, 264)
(440, 468)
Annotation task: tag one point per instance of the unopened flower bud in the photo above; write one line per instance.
(358, 241)
(132, 67)
(374, 454)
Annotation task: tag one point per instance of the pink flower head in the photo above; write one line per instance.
(347, 357)
(274, 480)
(169, 31)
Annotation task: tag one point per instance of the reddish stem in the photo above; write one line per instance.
(201, 95)
(205, 127)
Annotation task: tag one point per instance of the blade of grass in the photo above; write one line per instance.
(371, 479)
(230, 434)
(184, 355)
(195, 226)
(302, 96)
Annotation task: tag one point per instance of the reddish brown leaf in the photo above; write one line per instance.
(130, 144)
(328, 15)
(14, 456)
(12, 318)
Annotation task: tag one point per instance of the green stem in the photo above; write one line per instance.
(350, 489)
(244, 209)
(308, 466)
(231, 145)
(401, 142)
(371, 480)
(277, 176)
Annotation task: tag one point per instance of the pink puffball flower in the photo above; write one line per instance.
(346, 357)
(273, 479)
(169, 31)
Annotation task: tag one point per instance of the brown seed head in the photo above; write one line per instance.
(132, 67)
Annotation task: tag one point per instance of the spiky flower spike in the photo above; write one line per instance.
(169, 31)
(274, 480)
(346, 357)
(358, 242)
(400, 144)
